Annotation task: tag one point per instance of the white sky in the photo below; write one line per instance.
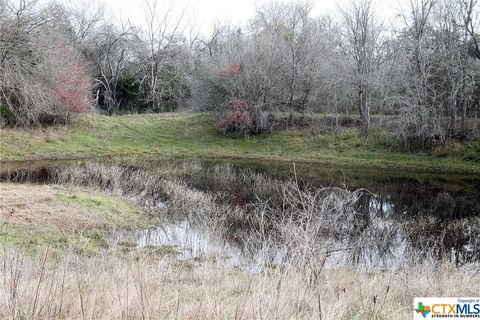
(204, 14)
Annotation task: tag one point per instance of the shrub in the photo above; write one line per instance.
(6, 116)
(130, 90)
(238, 118)
(71, 87)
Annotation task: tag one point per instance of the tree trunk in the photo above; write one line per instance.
(453, 117)
(464, 116)
(363, 109)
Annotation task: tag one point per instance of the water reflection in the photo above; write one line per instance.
(401, 219)
(401, 223)
(378, 234)
(185, 240)
(396, 232)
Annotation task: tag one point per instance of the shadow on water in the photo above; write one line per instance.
(401, 218)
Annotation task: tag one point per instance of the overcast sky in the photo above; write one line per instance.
(206, 13)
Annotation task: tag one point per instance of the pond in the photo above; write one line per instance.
(400, 217)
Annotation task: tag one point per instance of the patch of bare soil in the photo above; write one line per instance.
(37, 206)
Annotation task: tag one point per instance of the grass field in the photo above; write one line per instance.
(193, 135)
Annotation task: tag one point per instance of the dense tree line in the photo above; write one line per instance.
(423, 72)
(42, 76)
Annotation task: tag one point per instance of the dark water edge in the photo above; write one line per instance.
(402, 216)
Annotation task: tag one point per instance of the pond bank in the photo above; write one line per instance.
(33, 216)
(193, 135)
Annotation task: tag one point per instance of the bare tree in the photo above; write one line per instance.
(470, 20)
(417, 123)
(85, 18)
(32, 87)
(109, 53)
(294, 39)
(361, 43)
(162, 34)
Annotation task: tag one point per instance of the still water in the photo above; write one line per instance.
(401, 217)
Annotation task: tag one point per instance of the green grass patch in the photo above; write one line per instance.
(193, 135)
(28, 237)
(33, 241)
(116, 212)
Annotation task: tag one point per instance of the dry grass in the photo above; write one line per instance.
(148, 287)
(37, 206)
(67, 210)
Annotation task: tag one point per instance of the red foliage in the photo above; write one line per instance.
(239, 105)
(239, 119)
(72, 87)
(232, 69)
